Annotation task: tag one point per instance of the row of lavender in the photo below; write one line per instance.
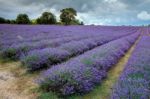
(28, 34)
(15, 50)
(134, 82)
(82, 73)
(41, 58)
(33, 33)
(146, 30)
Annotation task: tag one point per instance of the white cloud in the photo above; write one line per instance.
(110, 12)
(144, 15)
(110, 1)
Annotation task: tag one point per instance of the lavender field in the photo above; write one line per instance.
(75, 62)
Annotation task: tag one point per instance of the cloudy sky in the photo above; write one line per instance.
(102, 12)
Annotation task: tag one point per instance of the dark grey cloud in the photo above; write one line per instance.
(111, 12)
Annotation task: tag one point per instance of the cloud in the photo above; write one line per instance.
(107, 12)
(144, 15)
(110, 1)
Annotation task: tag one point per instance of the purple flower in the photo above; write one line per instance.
(82, 73)
(134, 82)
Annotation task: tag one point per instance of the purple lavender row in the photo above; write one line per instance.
(8, 43)
(146, 30)
(30, 33)
(23, 30)
(134, 82)
(49, 36)
(34, 60)
(14, 51)
(34, 33)
(20, 39)
(81, 74)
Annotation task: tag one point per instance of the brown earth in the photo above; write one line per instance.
(15, 83)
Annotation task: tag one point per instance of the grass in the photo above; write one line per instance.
(48, 95)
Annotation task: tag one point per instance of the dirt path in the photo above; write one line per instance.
(15, 83)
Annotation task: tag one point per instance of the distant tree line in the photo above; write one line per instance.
(67, 17)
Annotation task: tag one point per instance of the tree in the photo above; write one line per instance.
(7, 21)
(2, 20)
(75, 22)
(38, 21)
(68, 15)
(82, 23)
(12, 21)
(22, 19)
(33, 21)
(47, 18)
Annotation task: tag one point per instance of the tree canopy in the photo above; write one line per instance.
(22, 19)
(2, 20)
(47, 18)
(67, 15)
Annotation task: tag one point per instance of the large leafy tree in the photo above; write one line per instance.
(67, 15)
(47, 18)
(2, 20)
(22, 19)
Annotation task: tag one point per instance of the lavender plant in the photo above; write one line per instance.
(72, 48)
(81, 74)
(23, 39)
(134, 82)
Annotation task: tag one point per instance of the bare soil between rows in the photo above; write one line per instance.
(15, 83)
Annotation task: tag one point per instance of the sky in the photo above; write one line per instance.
(98, 12)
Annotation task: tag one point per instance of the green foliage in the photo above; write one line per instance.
(2, 20)
(75, 22)
(68, 15)
(82, 23)
(23, 19)
(48, 95)
(87, 61)
(12, 21)
(11, 53)
(46, 18)
(34, 21)
(59, 23)
(7, 21)
(136, 75)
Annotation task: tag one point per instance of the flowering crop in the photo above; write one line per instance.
(134, 82)
(82, 73)
(146, 30)
(23, 38)
(71, 49)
